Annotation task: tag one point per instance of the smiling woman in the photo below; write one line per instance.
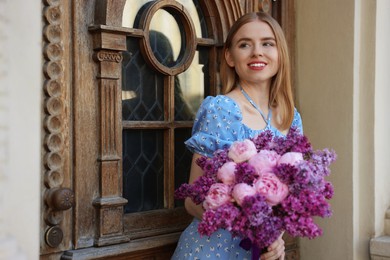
(256, 79)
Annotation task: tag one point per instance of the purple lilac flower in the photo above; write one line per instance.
(307, 177)
(263, 140)
(302, 145)
(285, 173)
(328, 190)
(209, 167)
(209, 224)
(302, 226)
(307, 203)
(239, 225)
(183, 191)
(265, 234)
(293, 142)
(201, 161)
(196, 191)
(257, 209)
(221, 157)
(293, 205)
(222, 217)
(245, 173)
(322, 159)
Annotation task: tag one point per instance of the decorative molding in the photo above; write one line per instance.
(183, 18)
(109, 204)
(109, 56)
(55, 198)
(109, 134)
(53, 104)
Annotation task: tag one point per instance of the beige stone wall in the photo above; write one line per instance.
(325, 58)
(20, 126)
(343, 98)
(380, 244)
(382, 109)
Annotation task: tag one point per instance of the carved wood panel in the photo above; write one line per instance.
(57, 193)
(110, 203)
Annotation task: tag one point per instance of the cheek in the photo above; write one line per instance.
(274, 55)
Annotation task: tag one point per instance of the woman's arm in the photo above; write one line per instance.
(195, 173)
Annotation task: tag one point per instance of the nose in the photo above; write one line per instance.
(258, 50)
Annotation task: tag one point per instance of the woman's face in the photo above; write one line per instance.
(253, 53)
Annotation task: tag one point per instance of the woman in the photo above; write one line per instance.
(256, 80)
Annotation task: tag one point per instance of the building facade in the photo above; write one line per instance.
(62, 68)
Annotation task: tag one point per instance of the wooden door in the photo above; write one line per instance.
(123, 80)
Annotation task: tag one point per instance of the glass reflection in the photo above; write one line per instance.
(132, 8)
(189, 92)
(165, 38)
(142, 87)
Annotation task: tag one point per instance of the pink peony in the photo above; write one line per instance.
(218, 195)
(292, 158)
(241, 190)
(241, 151)
(226, 173)
(264, 161)
(271, 188)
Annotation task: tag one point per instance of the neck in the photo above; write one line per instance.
(258, 93)
(265, 114)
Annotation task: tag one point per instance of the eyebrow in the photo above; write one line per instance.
(263, 39)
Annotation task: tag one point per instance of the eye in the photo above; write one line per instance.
(243, 45)
(269, 44)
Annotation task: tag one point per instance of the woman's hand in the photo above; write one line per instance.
(275, 250)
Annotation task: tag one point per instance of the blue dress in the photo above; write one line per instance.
(218, 123)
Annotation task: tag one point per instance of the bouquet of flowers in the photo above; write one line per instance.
(260, 187)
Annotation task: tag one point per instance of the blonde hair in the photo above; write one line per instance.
(280, 96)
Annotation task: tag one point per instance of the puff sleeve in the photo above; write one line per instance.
(216, 126)
(297, 121)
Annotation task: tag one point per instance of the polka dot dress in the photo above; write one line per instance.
(220, 245)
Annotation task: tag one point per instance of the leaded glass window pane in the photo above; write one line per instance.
(190, 90)
(143, 170)
(142, 87)
(201, 21)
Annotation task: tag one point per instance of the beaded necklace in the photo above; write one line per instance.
(267, 119)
